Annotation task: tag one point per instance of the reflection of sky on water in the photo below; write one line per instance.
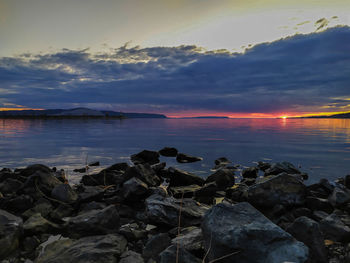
(320, 146)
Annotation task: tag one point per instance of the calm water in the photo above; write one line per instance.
(321, 147)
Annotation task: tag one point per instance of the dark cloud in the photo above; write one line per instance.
(299, 73)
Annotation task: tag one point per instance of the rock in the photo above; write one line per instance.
(238, 193)
(18, 204)
(132, 232)
(158, 167)
(248, 181)
(192, 240)
(10, 186)
(94, 222)
(340, 196)
(319, 204)
(92, 206)
(31, 169)
(263, 166)
(131, 257)
(42, 206)
(169, 255)
(319, 215)
(81, 170)
(143, 172)
(206, 193)
(36, 224)
(90, 193)
(155, 245)
(251, 172)
(94, 163)
(221, 162)
(64, 193)
(282, 189)
(182, 178)
(150, 157)
(183, 191)
(168, 152)
(89, 249)
(244, 231)
(224, 178)
(283, 167)
(184, 158)
(308, 231)
(165, 210)
(302, 211)
(104, 178)
(134, 189)
(10, 233)
(347, 181)
(30, 244)
(334, 229)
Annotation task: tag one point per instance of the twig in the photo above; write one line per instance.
(179, 229)
(228, 255)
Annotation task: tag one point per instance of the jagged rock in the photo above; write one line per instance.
(340, 196)
(263, 166)
(131, 257)
(36, 224)
(10, 186)
(94, 163)
(104, 178)
(282, 189)
(132, 232)
(251, 172)
(64, 193)
(31, 169)
(244, 231)
(347, 181)
(319, 215)
(18, 204)
(10, 233)
(184, 191)
(182, 178)
(169, 255)
(134, 189)
(206, 193)
(155, 245)
(283, 167)
(319, 204)
(168, 152)
(61, 211)
(334, 229)
(224, 178)
(94, 222)
(143, 172)
(90, 193)
(165, 210)
(150, 157)
(158, 167)
(42, 206)
(308, 231)
(184, 158)
(238, 193)
(91, 249)
(192, 240)
(92, 206)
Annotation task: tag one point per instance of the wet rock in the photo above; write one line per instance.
(221, 162)
(169, 255)
(283, 167)
(94, 163)
(319, 204)
(238, 193)
(251, 172)
(184, 158)
(10, 233)
(64, 193)
(131, 257)
(10, 186)
(31, 169)
(168, 152)
(94, 222)
(308, 231)
(334, 229)
(132, 232)
(182, 178)
(244, 231)
(224, 178)
(89, 249)
(192, 240)
(165, 210)
(206, 193)
(184, 191)
(37, 224)
(143, 172)
(248, 181)
(340, 196)
(134, 189)
(159, 167)
(282, 189)
(263, 166)
(150, 157)
(155, 245)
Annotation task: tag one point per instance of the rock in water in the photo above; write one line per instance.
(244, 231)
(284, 189)
(168, 152)
(283, 167)
(184, 158)
(10, 232)
(182, 178)
(150, 157)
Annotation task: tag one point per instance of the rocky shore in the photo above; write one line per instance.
(147, 212)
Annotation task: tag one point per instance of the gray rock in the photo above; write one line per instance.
(319, 204)
(206, 193)
(64, 193)
(168, 152)
(334, 229)
(185, 158)
(191, 240)
(134, 188)
(155, 245)
(150, 157)
(224, 178)
(182, 178)
(283, 167)
(10, 185)
(340, 196)
(308, 231)
(165, 210)
(238, 193)
(131, 257)
(10, 233)
(244, 231)
(145, 173)
(36, 224)
(186, 191)
(90, 193)
(169, 255)
(132, 232)
(42, 206)
(281, 189)
(90, 249)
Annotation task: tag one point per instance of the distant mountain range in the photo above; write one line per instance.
(75, 113)
(334, 116)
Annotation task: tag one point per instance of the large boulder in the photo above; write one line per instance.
(192, 239)
(92, 249)
(185, 158)
(10, 185)
(240, 233)
(281, 189)
(36, 224)
(64, 193)
(134, 189)
(182, 178)
(166, 210)
(150, 157)
(143, 172)
(334, 229)
(224, 178)
(10, 233)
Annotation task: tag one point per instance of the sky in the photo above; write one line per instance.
(239, 58)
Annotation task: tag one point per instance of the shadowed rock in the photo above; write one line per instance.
(182, 178)
(169, 255)
(150, 157)
(185, 158)
(168, 152)
(10, 233)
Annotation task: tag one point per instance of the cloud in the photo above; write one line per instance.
(296, 74)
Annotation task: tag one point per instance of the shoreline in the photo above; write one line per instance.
(148, 212)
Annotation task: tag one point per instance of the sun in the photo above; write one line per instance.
(284, 117)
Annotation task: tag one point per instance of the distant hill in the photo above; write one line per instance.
(75, 113)
(206, 117)
(334, 116)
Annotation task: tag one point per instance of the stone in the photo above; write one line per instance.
(251, 172)
(249, 236)
(64, 193)
(224, 178)
(132, 232)
(319, 204)
(36, 224)
(143, 172)
(347, 181)
(10, 233)
(91, 249)
(334, 229)
(237, 193)
(90, 193)
(185, 158)
(206, 193)
(155, 245)
(104, 178)
(222, 161)
(319, 215)
(183, 191)
(308, 231)
(263, 166)
(340, 196)
(94, 222)
(94, 163)
(182, 178)
(168, 152)
(165, 210)
(191, 240)
(131, 257)
(281, 189)
(18, 204)
(134, 189)
(158, 167)
(283, 167)
(10, 185)
(31, 169)
(302, 211)
(150, 157)
(61, 212)
(42, 206)
(169, 255)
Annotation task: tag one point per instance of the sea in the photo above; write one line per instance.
(319, 147)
